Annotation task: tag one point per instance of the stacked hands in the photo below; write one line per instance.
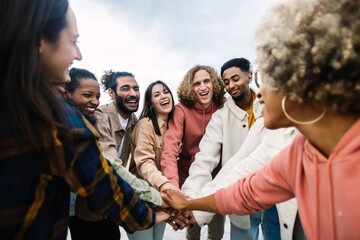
(171, 209)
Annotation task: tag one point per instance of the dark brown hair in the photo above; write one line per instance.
(32, 106)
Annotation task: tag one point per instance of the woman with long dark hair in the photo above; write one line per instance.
(147, 141)
(46, 147)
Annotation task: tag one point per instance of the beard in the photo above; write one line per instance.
(239, 98)
(121, 106)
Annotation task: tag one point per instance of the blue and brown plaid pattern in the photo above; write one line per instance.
(35, 192)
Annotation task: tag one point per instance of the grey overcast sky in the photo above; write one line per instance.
(163, 39)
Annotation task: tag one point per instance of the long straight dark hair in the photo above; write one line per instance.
(148, 109)
(28, 96)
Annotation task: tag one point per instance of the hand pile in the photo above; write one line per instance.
(170, 212)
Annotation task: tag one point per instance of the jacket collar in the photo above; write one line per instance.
(114, 118)
(241, 114)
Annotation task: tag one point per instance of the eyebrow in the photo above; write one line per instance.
(128, 86)
(235, 75)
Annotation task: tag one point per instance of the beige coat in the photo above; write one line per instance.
(111, 133)
(146, 148)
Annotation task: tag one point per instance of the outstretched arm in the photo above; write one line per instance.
(177, 200)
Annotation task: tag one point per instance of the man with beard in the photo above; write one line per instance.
(116, 120)
(223, 137)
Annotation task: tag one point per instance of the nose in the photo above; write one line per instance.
(231, 84)
(95, 101)
(78, 55)
(132, 92)
(259, 94)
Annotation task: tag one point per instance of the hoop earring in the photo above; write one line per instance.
(298, 122)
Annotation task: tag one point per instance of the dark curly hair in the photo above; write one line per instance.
(108, 80)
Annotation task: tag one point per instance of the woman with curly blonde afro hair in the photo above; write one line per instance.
(309, 58)
(200, 93)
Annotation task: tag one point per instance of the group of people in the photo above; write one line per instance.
(285, 157)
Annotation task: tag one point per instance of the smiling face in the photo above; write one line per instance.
(161, 100)
(127, 96)
(56, 58)
(271, 107)
(86, 96)
(203, 88)
(237, 83)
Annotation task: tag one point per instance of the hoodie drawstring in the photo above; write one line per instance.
(331, 197)
(317, 198)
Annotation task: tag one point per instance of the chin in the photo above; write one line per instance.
(271, 124)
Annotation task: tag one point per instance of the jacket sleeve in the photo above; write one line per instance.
(106, 140)
(144, 155)
(207, 158)
(141, 187)
(91, 176)
(172, 140)
(259, 190)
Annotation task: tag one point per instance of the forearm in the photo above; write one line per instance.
(203, 204)
(141, 187)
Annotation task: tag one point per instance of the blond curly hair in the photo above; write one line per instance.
(186, 94)
(309, 49)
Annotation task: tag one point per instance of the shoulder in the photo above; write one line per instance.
(144, 123)
(73, 117)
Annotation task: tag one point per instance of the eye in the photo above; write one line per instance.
(156, 94)
(207, 80)
(125, 89)
(196, 84)
(87, 95)
(136, 89)
(226, 82)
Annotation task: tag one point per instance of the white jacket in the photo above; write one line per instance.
(243, 163)
(224, 135)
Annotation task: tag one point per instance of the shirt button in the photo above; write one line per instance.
(244, 126)
(285, 225)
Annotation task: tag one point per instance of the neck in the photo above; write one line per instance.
(246, 102)
(163, 116)
(123, 115)
(327, 133)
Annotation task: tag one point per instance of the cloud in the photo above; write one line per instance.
(162, 39)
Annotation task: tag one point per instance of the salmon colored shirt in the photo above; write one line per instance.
(181, 141)
(327, 189)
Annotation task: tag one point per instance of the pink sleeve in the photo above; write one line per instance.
(172, 140)
(259, 190)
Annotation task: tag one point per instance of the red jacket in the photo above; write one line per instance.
(181, 141)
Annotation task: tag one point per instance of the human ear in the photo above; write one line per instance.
(67, 94)
(111, 93)
(250, 77)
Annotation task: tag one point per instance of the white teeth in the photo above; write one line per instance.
(203, 94)
(90, 109)
(163, 103)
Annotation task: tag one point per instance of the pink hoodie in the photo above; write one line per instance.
(186, 127)
(327, 190)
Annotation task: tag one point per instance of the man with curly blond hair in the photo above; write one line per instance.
(201, 93)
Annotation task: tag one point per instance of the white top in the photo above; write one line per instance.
(243, 163)
(123, 123)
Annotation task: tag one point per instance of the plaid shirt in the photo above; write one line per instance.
(35, 192)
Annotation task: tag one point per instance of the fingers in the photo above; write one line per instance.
(178, 220)
(161, 216)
